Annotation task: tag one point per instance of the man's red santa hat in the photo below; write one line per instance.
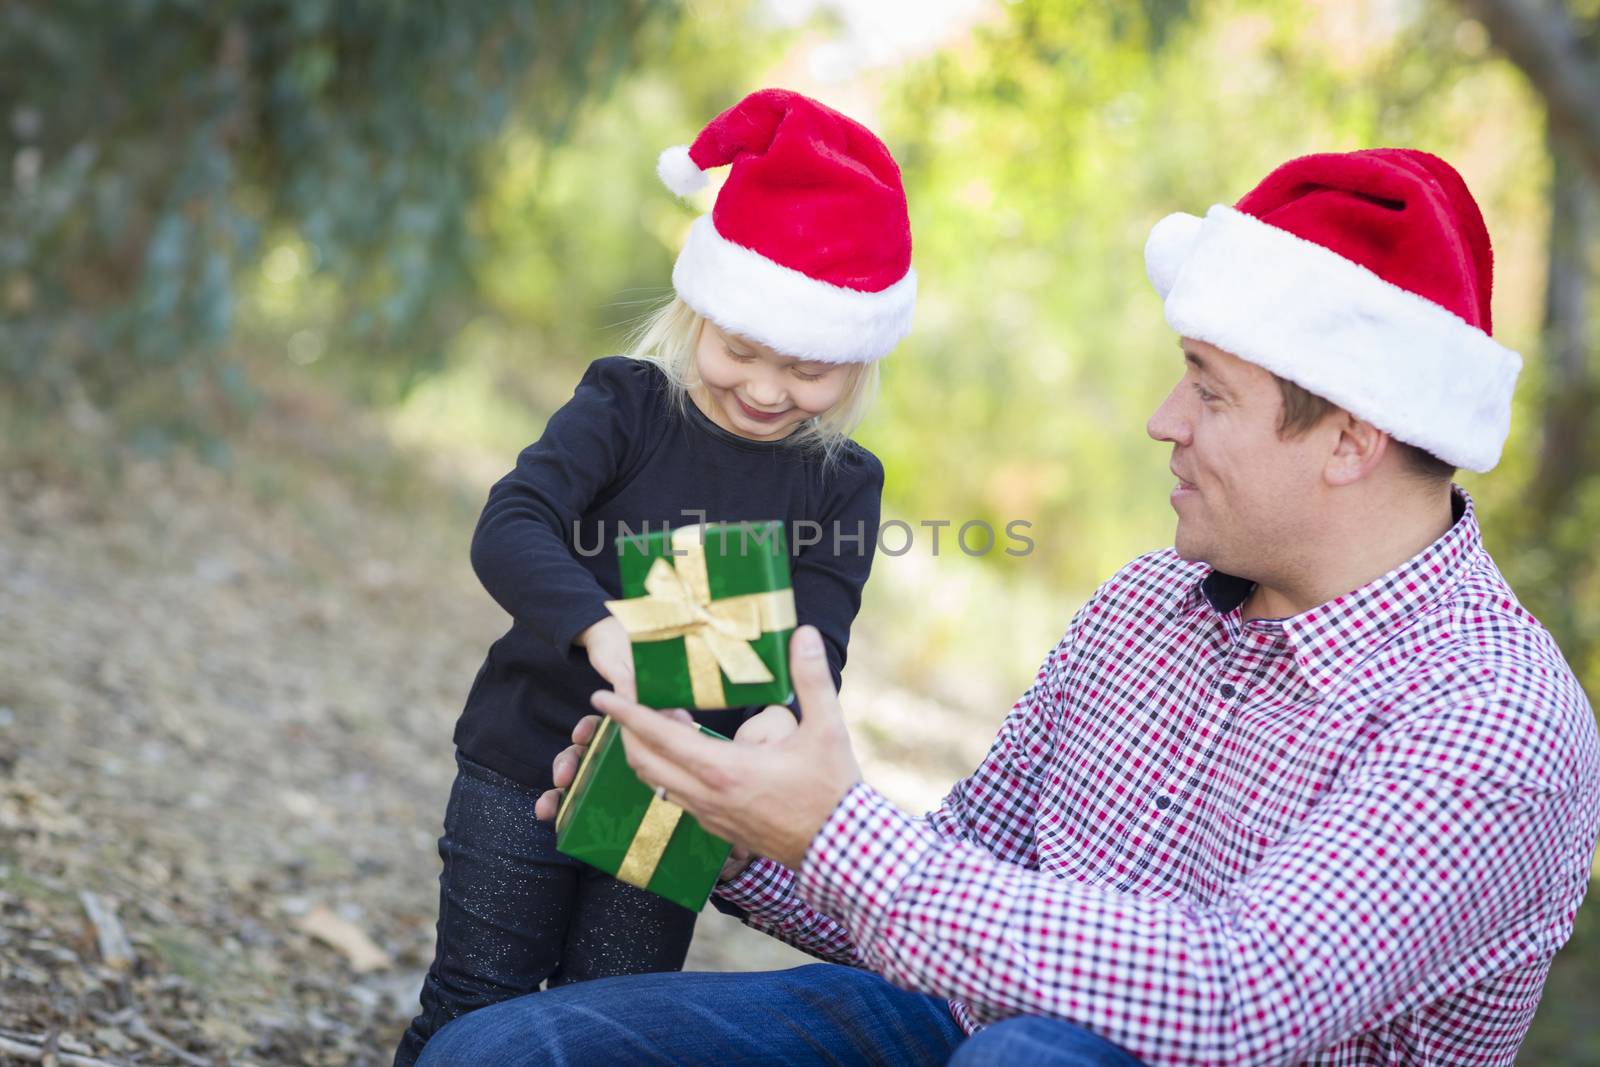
(808, 249)
(1362, 277)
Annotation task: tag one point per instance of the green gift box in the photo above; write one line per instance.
(611, 820)
(709, 609)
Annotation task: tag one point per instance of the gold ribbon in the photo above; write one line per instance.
(716, 633)
(649, 842)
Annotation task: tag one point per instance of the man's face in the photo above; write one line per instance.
(1245, 497)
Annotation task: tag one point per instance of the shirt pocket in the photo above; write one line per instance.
(1273, 762)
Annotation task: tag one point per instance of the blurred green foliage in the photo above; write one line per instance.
(578, 237)
(155, 147)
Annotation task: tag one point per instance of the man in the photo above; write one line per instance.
(1310, 786)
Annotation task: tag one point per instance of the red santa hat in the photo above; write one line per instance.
(1364, 278)
(808, 249)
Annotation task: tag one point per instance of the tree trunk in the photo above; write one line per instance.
(1569, 392)
(1569, 426)
(1558, 53)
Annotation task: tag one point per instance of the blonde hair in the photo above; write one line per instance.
(668, 339)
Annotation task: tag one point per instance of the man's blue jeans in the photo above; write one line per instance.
(822, 1013)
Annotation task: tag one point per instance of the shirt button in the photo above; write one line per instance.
(1163, 802)
(1227, 691)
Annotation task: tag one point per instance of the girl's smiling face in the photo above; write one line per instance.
(752, 391)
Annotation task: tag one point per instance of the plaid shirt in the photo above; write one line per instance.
(1354, 836)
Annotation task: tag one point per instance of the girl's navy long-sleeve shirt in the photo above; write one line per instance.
(620, 452)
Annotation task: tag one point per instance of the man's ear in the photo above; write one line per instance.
(1357, 451)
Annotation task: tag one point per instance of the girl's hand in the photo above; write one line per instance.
(773, 723)
(611, 655)
(565, 768)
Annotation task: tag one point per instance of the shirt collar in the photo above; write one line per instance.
(1223, 592)
(1330, 638)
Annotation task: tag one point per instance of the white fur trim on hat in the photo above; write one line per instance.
(678, 172)
(1336, 329)
(1168, 248)
(749, 294)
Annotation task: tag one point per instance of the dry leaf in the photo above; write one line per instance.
(346, 937)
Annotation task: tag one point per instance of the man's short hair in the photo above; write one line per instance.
(1303, 410)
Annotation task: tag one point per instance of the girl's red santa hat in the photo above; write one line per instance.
(1363, 277)
(808, 249)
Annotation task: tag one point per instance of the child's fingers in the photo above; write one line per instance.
(626, 688)
(616, 667)
(773, 723)
(565, 766)
(624, 662)
(549, 802)
(583, 732)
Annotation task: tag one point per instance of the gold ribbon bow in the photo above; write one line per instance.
(716, 633)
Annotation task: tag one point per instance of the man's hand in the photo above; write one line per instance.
(611, 654)
(769, 798)
(772, 723)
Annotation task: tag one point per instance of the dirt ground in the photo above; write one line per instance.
(226, 698)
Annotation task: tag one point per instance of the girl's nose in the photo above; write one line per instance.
(765, 391)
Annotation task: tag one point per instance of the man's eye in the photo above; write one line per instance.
(1205, 394)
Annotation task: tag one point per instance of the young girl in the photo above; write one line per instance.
(736, 404)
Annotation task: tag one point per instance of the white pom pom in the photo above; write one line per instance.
(678, 172)
(1168, 248)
